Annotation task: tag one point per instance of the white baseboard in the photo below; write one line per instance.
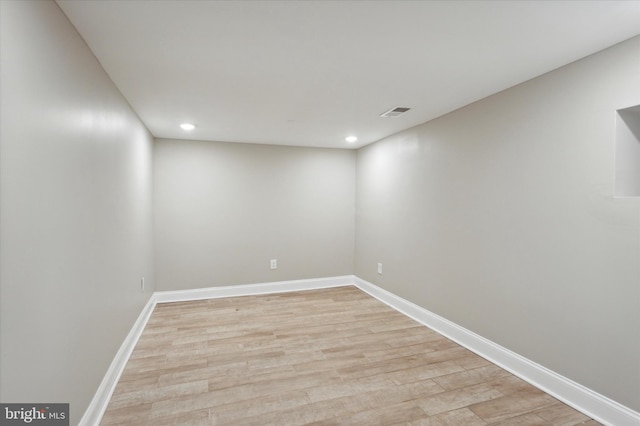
(591, 403)
(93, 415)
(95, 411)
(252, 289)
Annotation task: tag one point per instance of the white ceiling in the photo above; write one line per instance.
(310, 73)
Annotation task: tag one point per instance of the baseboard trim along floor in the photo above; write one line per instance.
(585, 400)
(98, 405)
(591, 403)
(252, 289)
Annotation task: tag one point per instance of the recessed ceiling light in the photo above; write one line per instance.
(351, 139)
(187, 126)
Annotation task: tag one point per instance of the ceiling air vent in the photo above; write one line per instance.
(394, 112)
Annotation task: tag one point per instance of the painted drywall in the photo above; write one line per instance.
(75, 215)
(627, 167)
(501, 217)
(223, 211)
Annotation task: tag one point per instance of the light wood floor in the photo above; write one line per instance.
(324, 357)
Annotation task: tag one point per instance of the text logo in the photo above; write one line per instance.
(34, 414)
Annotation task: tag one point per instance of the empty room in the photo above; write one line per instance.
(319, 212)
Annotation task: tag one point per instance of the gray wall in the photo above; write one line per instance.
(501, 217)
(75, 215)
(223, 210)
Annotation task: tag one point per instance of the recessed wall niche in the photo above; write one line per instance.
(627, 167)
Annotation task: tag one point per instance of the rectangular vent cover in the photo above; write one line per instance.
(394, 112)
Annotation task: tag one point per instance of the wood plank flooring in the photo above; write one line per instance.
(321, 357)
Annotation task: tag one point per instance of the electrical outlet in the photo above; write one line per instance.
(380, 268)
(274, 263)
(142, 284)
